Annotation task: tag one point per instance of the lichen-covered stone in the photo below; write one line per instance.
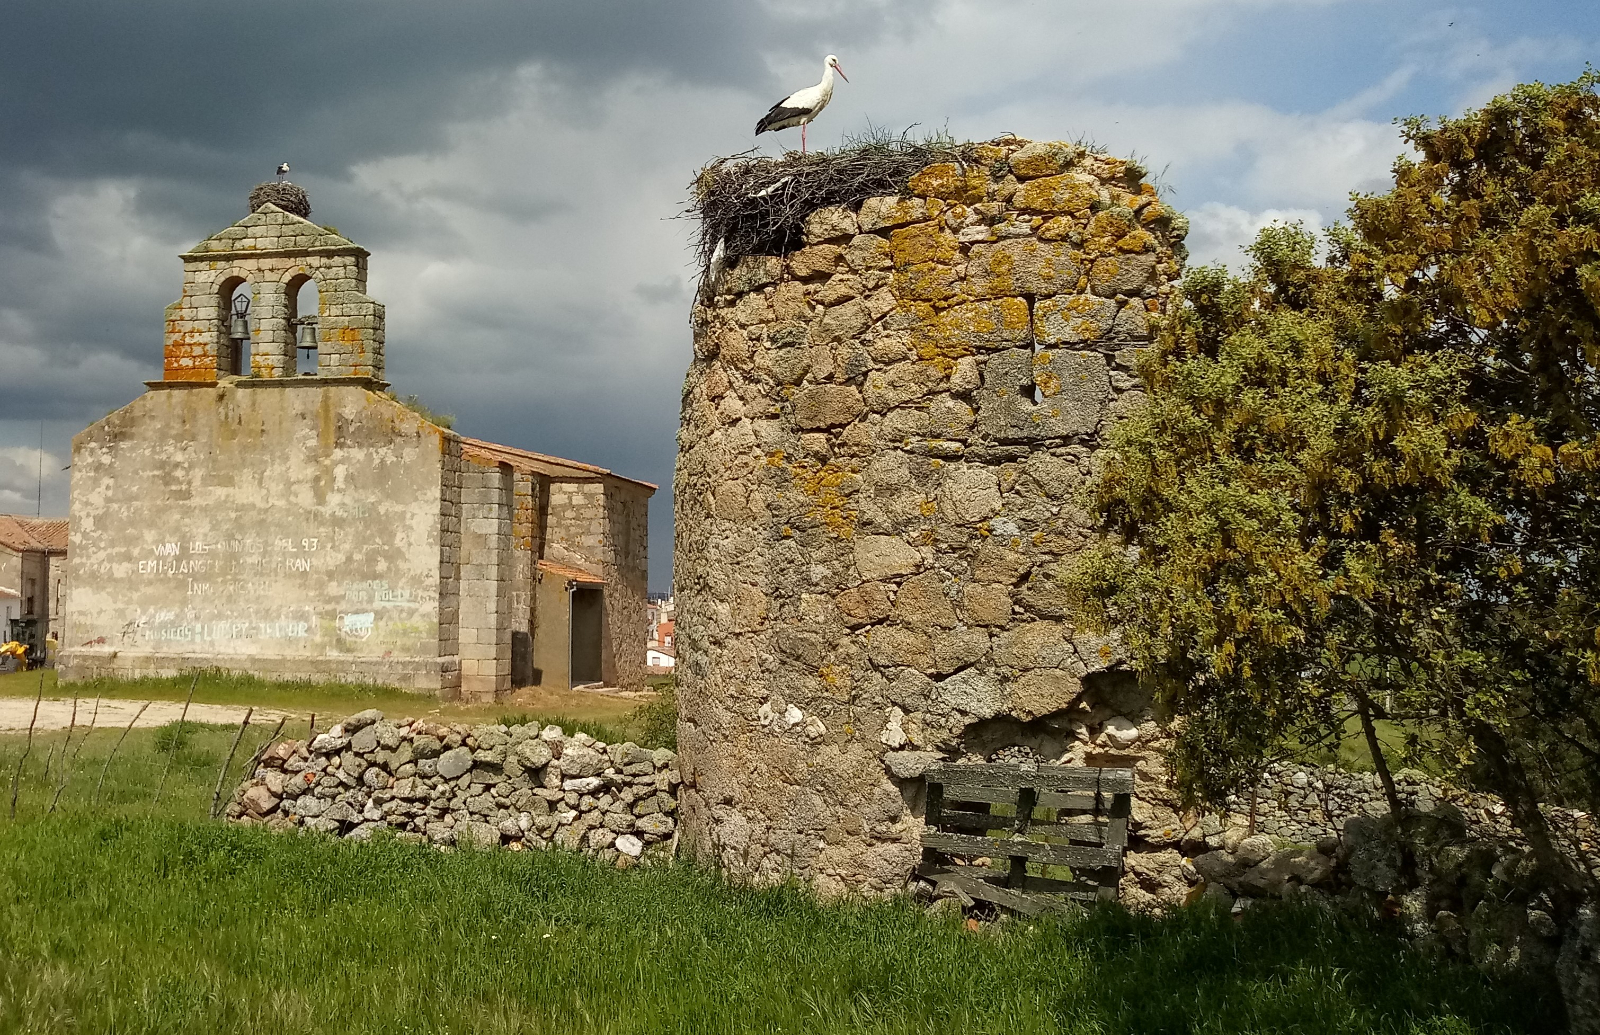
(1022, 266)
(869, 559)
(1072, 192)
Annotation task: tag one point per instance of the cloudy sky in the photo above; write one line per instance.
(515, 166)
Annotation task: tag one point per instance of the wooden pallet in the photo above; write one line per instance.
(1061, 816)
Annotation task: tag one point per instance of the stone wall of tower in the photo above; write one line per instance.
(883, 435)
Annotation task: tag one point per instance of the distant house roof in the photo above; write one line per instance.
(25, 533)
(668, 651)
(553, 466)
(567, 571)
(9, 594)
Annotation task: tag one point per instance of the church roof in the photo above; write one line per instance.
(269, 229)
(553, 466)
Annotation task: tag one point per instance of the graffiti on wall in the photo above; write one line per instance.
(240, 592)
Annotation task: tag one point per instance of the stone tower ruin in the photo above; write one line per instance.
(884, 432)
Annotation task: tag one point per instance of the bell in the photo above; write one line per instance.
(239, 327)
(306, 336)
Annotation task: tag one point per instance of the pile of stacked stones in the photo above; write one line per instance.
(485, 786)
(1326, 834)
(1318, 827)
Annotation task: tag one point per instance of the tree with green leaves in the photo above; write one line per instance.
(1370, 484)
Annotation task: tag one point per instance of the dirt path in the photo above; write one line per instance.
(56, 713)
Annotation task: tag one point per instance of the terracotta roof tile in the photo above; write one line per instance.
(25, 533)
(527, 460)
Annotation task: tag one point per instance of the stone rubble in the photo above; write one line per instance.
(518, 787)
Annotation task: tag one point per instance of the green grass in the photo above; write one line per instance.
(131, 917)
(1350, 751)
(113, 924)
(219, 687)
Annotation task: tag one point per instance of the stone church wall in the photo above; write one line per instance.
(286, 528)
(882, 436)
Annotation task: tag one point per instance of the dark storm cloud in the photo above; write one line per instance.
(205, 90)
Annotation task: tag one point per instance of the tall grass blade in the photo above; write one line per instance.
(222, 774)
(16, 777)
(177, 740)
(109, 757)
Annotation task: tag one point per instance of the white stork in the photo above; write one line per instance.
(800, 107)
(283, 170)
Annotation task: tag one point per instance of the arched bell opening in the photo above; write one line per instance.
(235, 297)
(304, 309)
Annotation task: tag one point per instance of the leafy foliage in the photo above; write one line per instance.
(1373, 482)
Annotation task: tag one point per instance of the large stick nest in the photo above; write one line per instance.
(757, 206)
(285, 195)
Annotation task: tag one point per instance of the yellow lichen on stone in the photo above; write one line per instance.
(928, 282)
(1045, 379)
(941, 337)
(946, 180)
(1105, 230)
(1057, 228)
(922, 243)
(821, 485)
(1040, 160)
(1137, 242)
(1069, 192)
(987, 154)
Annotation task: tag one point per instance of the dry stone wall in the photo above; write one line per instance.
(883, 435)
(519, 787)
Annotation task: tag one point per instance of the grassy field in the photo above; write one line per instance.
(133, 917)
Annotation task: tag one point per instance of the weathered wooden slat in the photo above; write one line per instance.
(1044, 777)
(1018, 901)
(1032, 885)
(1057, 855)
(1069, 800)
(1117, 828)
(974, 792)
(933, 810)
(1081, 828)
(973, 821)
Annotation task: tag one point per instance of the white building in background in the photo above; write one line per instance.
(659, 660)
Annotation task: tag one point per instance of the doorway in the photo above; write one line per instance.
(588, 607)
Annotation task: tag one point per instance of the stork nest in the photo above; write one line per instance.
(283, 194)
(758, 206)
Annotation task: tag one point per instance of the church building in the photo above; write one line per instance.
(269, 507)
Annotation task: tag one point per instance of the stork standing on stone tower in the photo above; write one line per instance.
(800, 107)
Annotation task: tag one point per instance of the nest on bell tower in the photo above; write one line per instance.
(283, 194)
